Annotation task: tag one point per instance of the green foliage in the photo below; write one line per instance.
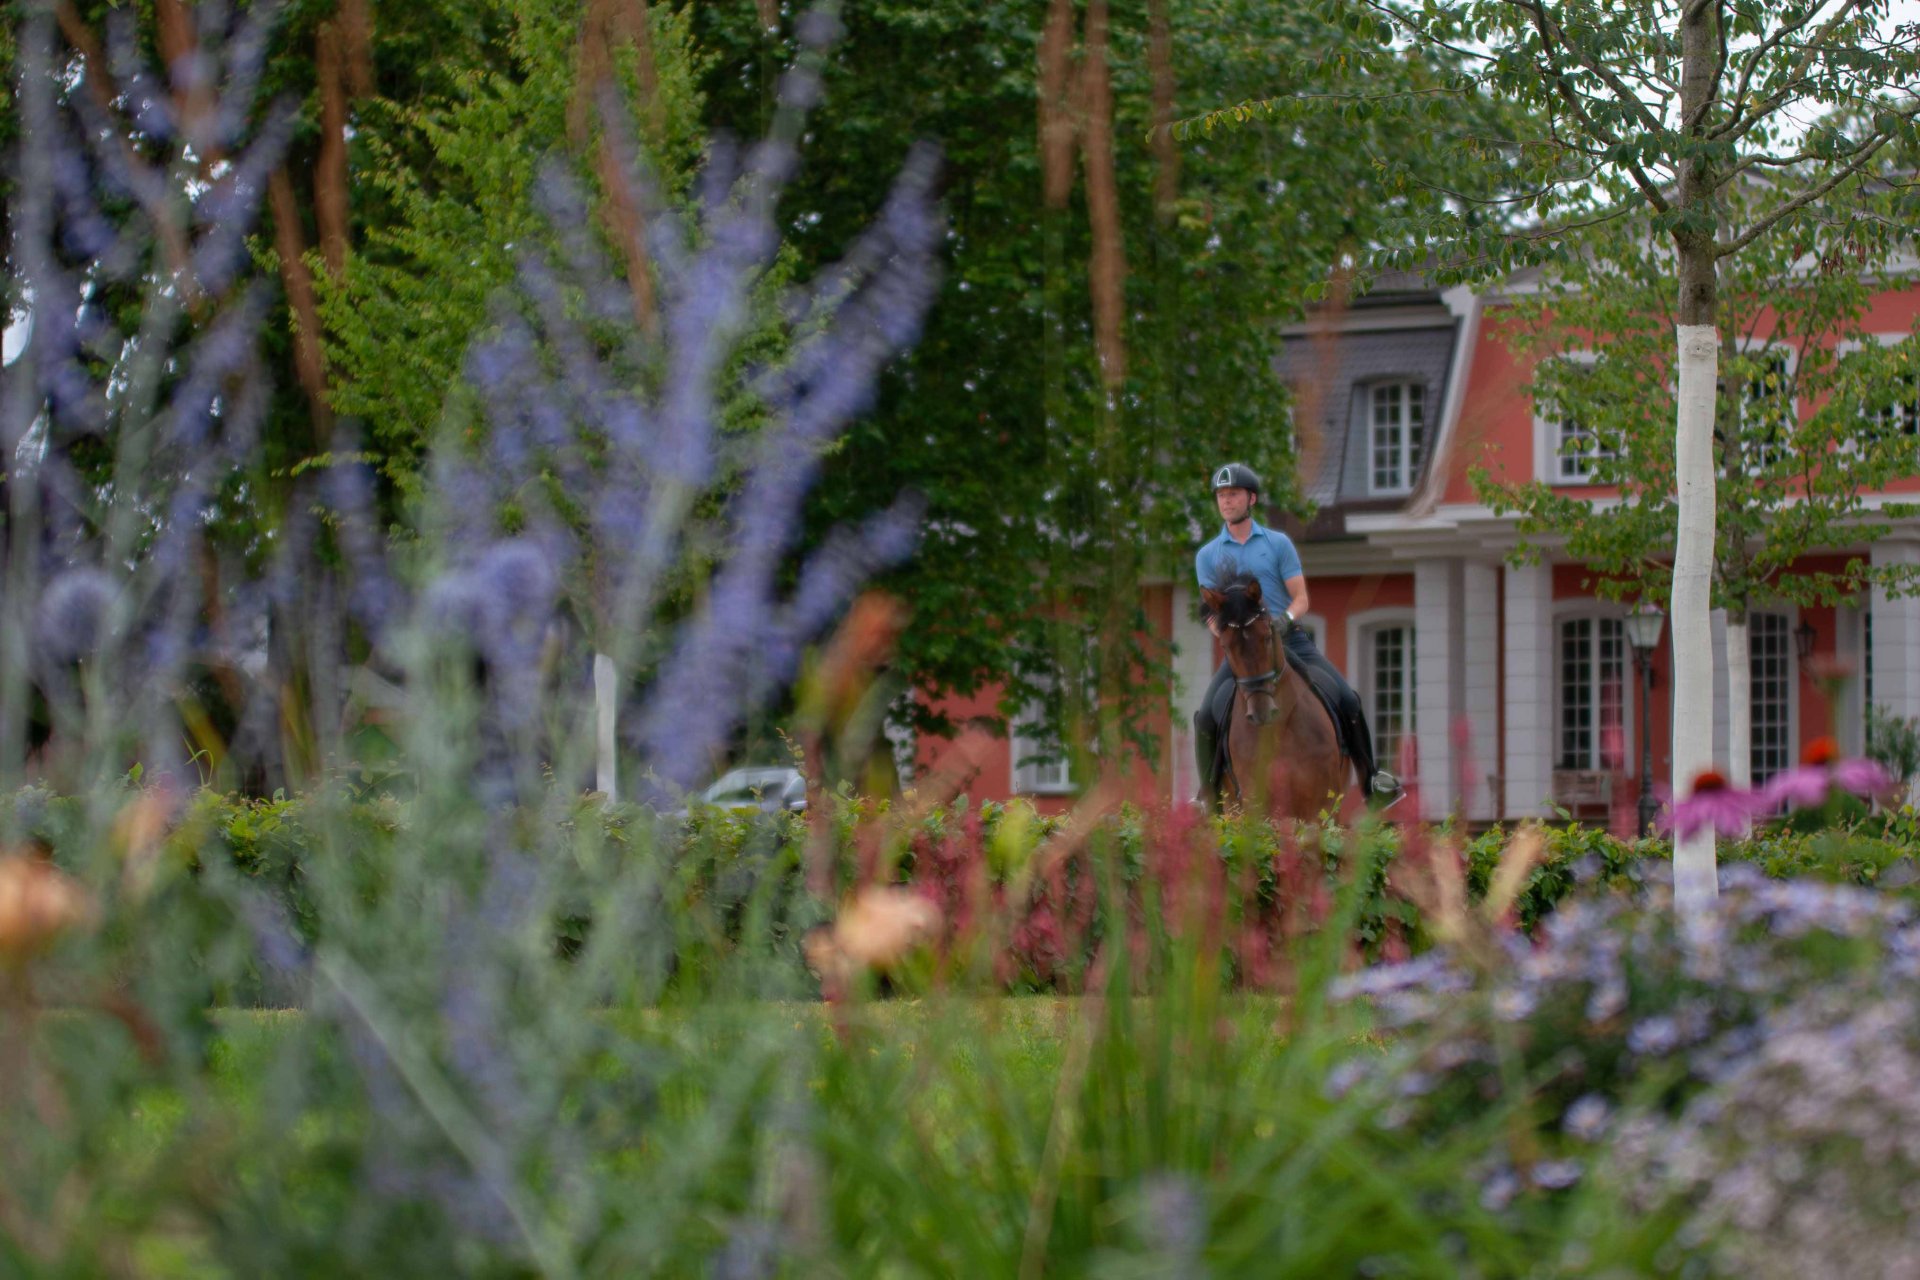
(1894, 742)
(1182, 1104)
(1050, 500)
(453, 172)
(1808, 420)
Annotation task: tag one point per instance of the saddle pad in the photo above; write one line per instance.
(1330, 689)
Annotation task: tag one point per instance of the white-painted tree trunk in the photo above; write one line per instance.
(1694, 881)
(1739, 703)
(606, 707)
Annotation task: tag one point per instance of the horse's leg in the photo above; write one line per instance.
(1247, 760)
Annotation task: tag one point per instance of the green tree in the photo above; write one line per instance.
(1662, 108)
(453, 174)
(1057, 478)
(1792, 313)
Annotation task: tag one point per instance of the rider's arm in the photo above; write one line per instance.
(1202, 576)
(1297, 603)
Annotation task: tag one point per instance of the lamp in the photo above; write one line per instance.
(1803, 636)
(1643, 626)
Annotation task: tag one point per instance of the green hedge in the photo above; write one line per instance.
(739, 880)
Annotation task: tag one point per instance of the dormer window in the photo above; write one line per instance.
(1397, 414)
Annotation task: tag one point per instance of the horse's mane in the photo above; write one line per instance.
(1237, 610)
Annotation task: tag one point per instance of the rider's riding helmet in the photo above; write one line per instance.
(1236, 475)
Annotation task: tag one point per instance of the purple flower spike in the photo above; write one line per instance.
(1713, 804)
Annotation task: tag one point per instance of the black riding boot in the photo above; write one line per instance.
(1206, 754)
(1380, 788)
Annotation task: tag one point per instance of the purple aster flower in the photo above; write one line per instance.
(75, 609)
(1587, 1118)
(1556, 1175)
(1714, 805)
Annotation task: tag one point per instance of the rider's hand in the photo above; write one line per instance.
(1213, 625)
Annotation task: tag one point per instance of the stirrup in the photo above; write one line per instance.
(1384, 790)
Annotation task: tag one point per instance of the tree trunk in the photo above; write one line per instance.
(1694, 880)
(1739, 701)
(606, 706)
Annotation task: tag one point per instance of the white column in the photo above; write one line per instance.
(1526, 758)
(1896, 636)
(1480, 660)
(1439, 674)
(1849, 641)
(1192, 668)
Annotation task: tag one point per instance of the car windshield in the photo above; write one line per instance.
(748, 786)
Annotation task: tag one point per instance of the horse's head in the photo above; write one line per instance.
(1247, 633)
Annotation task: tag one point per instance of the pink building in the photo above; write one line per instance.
(1415, 601)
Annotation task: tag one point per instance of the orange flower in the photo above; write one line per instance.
(1820, 751)
(37, 905)
(876, 930)
(883, 923)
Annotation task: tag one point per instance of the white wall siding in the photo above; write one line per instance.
(1896, 635)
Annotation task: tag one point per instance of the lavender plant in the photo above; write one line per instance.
(456, 1087)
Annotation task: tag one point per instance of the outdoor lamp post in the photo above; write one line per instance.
(1803, 638)
(1643, 633)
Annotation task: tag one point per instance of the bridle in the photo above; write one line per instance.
(1271, 676)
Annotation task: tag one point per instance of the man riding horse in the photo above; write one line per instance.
(1248, 549)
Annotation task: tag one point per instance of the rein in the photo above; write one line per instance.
(1272, 673)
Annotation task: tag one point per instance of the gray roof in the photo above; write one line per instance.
(1333, 371)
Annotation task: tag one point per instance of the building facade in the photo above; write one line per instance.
(1509, 689)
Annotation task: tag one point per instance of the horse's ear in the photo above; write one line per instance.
(1253, 591)
(1212, 599)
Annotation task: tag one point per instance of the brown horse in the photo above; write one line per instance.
(1280, 730)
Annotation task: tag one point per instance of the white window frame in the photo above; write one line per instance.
(1549, 436)
(1911, 427)
(1361, 630)
(1791, 618)
(1404, 465)
(1765, 456)
(1566, 611)
(1031, 776)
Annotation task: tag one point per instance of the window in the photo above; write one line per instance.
(1576, 449)
(1866, 656)
(1593, 687)
(1770, 668)
(1565, 437)
(1390, 681)
(1040, 767)
(1897, 413)
(1398, 419)
(1766, 410)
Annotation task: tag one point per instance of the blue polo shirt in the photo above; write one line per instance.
(1266, 554)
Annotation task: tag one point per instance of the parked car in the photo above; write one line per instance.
(765, 789)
